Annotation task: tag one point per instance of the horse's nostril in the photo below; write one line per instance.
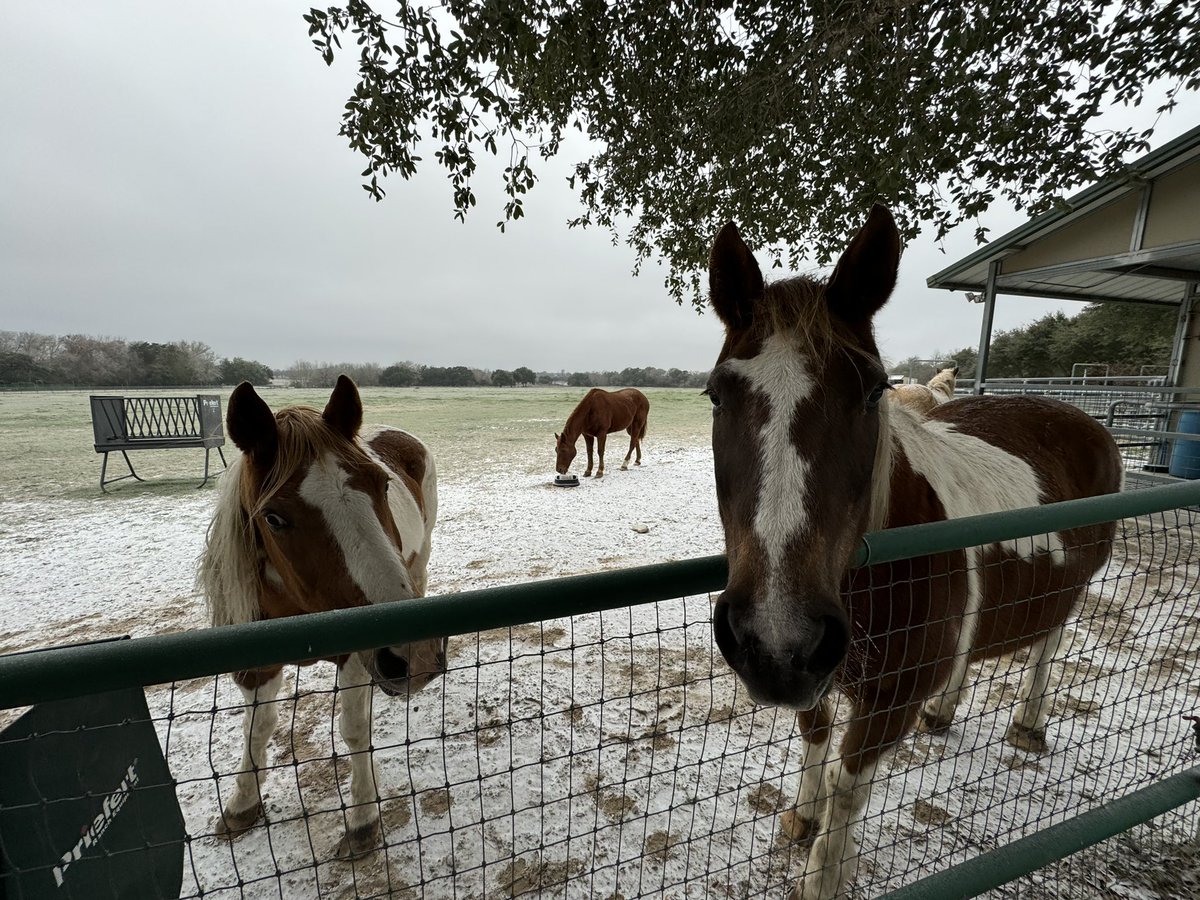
(829, 647)
(390, 666)
(723, 629)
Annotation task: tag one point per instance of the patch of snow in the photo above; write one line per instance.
(613, 753)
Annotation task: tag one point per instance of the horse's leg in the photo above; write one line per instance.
(588, 439)
(632, 444)
(938, 713)
(354, 722)
(260, 687)
(834, 855)
(600, 439)
(1028, 728)
(641, 433)
(816, 727)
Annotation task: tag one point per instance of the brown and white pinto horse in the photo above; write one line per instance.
(317, 516)
(809, 456)
(599, 414)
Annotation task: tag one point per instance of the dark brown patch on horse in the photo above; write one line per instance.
(406, 456)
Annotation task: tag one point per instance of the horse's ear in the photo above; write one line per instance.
(954, 371)
(866, 274)
(343, 412)
(251, 424)
(556, 437)
(735, 282)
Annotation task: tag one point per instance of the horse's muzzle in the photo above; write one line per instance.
(796, 675)
(396, 675)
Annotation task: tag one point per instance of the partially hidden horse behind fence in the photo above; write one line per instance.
(809, 455)
(598, 415)
(319, 514)
(923, 398)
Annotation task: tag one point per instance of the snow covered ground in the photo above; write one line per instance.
(614, 755)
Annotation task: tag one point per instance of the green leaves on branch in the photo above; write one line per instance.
(790, 118)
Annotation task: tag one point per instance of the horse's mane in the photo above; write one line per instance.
(796, 307)
(229, 573)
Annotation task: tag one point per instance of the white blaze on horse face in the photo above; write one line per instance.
(372, 559)
(780, 374)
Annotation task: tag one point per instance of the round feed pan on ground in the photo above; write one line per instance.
(566, 481)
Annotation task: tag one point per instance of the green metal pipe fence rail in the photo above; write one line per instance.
(26, 679)
(1004, 864)
(176, 659)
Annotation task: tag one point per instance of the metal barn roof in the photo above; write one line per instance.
(1134, 237)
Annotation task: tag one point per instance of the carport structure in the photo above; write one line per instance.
(1132, 238)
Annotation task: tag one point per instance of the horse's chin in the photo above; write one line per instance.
(806, 698)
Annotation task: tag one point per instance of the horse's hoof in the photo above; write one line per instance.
(625, 467)
(795, 827)
(930, 723)
(1028, 739)
(358, 842)
(229, 824)
(600, 474)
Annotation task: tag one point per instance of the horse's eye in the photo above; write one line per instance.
(275, 521)
(712, 396)
(876, 394)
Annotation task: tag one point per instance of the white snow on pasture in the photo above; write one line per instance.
(613, 755)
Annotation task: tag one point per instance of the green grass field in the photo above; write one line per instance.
(48, 453)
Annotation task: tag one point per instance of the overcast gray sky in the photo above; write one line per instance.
(173, 172)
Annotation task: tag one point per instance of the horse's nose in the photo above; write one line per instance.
(390, 666)
(732, 640)
(792, 661)
(823, 643)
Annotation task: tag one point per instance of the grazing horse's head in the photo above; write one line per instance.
(564, 452)
(317, 508)
(799, 443)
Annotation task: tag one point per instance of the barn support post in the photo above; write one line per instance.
(1184, 367)
(985, 329)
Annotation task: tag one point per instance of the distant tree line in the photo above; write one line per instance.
(632, 377)
(409, 374)
(1123, 336)
(32, 359)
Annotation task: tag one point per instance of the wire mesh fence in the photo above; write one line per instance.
(1155, 424)
(614, 754)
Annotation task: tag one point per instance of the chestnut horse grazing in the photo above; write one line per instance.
(599, 414)
(809, 455)
(317, 516)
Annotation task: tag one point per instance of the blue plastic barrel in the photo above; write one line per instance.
(1185, 455)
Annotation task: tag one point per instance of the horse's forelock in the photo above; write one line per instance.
(796, 308)
(304, 437)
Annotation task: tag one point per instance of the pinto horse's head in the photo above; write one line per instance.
(317, 504)
(798, 444)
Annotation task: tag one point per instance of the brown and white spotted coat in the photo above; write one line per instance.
(319, 515)
(810, 452)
